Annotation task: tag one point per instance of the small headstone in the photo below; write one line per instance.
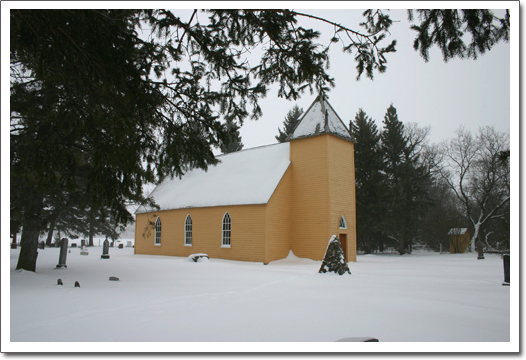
(83, 243)
(105, 250)
(73, 244)
(334, 259)
(84, 251)
(506, 262)
(63, 254)
(480, 250)
(77, 284)
(114, 278)
(129, 243)
(121, 246)
(41, 245)
(59, 282)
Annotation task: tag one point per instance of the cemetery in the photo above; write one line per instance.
(114, 295)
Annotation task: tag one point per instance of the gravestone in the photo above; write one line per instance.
(63, 254)
(84, 251)
(129, 243)
(73, 244)
(506, 261)
(334, 259)
(83, 243)
(114, 278)
(480, 250)
(77, 284)
(41, 245)
(121, 246)
(105, 250)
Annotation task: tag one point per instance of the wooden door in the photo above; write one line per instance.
(343, 241)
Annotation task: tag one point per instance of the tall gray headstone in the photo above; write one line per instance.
(63, 254)
(83, 243)
(506, 261)
(105, 250)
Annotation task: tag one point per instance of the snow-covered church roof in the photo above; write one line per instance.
(320, 118)
(245, 177)
(457, 231)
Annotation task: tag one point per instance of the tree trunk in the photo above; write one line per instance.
(27, 260)
(50, 232)
(90, 235)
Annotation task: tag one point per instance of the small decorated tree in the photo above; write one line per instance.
(334, 259)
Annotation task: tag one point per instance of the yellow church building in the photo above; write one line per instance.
(259, 204)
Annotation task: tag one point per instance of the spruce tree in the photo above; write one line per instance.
(289, 124)
(406, 182)
(369, 181)
(233, 142)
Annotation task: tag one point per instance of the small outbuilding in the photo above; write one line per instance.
(459, 240)
(259, 204)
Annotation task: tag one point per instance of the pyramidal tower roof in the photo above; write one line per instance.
(320, 118)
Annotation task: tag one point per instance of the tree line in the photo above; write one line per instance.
(409, 191)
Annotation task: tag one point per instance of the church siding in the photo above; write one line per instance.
(310, 196)
(247, 237)
(342, 191)
(279, 220)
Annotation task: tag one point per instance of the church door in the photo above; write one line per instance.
(343, 241)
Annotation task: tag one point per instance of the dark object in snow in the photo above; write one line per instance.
(41, 245)
(105, 250)
(358, 339)
(73, 244)
(196, 257)
(77, 284)
(334, 259)
(506, 262)
(63, 254)
(480, 250)
(59, 282)
(114, 278)
(83, 243)
(14, 245)
(121, 246)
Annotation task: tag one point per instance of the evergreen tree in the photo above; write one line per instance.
(447, 28)
(369, 181)
(233, 142)
(289, 124)
(406, 182)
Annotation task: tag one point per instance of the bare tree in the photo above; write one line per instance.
(473, 168)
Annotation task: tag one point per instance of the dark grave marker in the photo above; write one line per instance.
(63, 254)
(105, 250)
(506, 261)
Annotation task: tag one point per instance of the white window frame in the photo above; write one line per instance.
(158, 231)
(344, 223)
(188, 230)
(226, 234)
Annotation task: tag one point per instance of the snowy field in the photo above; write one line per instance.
(450, 302)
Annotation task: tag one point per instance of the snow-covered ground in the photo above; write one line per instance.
(454, 302)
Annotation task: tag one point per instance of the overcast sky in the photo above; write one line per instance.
(443, 96)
